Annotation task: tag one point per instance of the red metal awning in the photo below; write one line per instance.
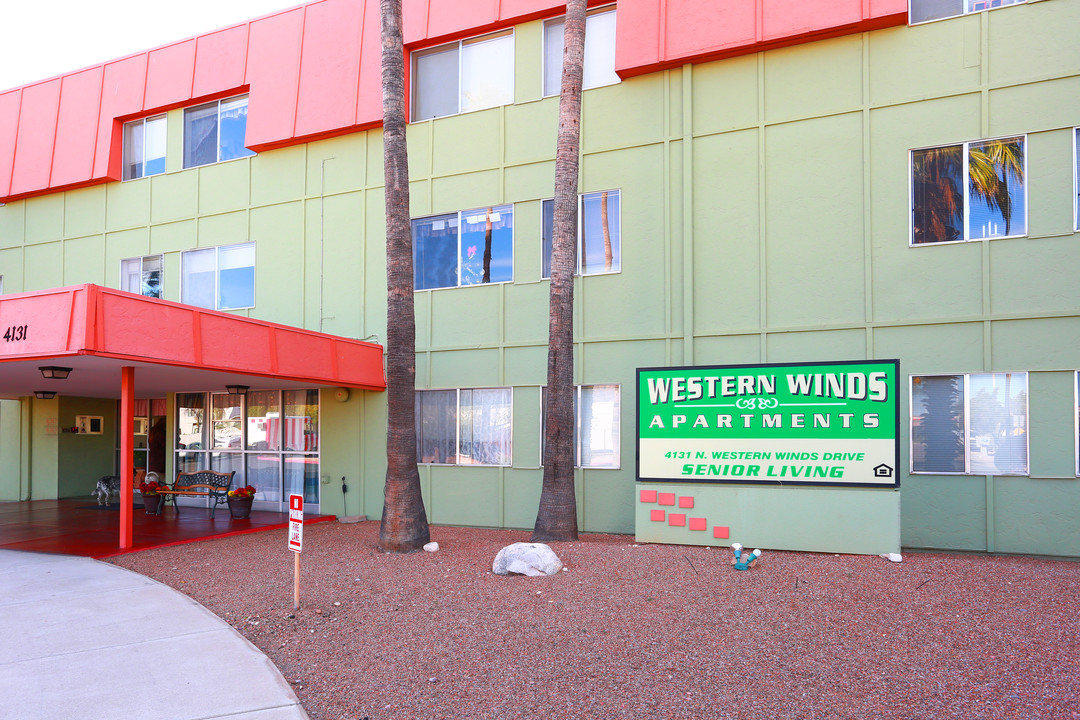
(174, 348)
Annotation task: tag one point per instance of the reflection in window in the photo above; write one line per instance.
(468, 248)
(599, 51)
(221, 278)
(215, 132)
(144, 147)
(270, 439)
(464, 427)
(972, 191)
(596, 426)
(460, 77)
(142, 276)
(974, 423)
(599, 233)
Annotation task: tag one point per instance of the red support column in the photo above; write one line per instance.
(127, 453)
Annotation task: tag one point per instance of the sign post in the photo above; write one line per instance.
(296, 542)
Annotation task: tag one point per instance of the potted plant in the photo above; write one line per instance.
(151, 500)
(240, 501)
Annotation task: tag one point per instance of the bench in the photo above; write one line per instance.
(201, 483)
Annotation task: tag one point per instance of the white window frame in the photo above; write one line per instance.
(163, 117)
(457, 428)
(460, 44)
(594, 12)
(967, 10)
(217, 274)
(1076, 419)
(967, 424)
(578, 267)
(460, 220)
(577, 426)
(218, 104)
(1076, 179)
(965, 149)
(142, 260)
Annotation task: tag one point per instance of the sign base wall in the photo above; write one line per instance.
(836, 520)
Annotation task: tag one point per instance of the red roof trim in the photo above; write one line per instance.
(45, 146)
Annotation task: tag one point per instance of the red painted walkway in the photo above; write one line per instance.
(77, 527)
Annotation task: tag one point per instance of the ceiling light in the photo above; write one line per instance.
(237, 389)
(44, 394)
(50, 372)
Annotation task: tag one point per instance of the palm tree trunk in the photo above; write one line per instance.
(404, 526)
(556, 518)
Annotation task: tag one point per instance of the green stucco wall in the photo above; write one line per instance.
(83, 458)
(12, 451)
(765, 218)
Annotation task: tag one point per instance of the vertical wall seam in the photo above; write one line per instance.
(868, 220)
(669, 286)
(763, 254)
(688, 240)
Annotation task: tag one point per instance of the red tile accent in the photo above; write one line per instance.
(686, 501)
(698, 523)
(720, 532)
(657, 515)
(667, 498)
(648, 496)
(677, 520)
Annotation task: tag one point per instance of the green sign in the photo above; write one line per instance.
(808, 424)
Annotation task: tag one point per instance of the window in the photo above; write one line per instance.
(1076, 180)
(596, 426)
(144, 147)
(972, 191)
(599, 51)
(975, 424)
(467, 248)
(221, 278)
(598, 233)
(142, 276)
(463, 76)
(926, 10)
(464, 427)
(215, 132)
(269, 437)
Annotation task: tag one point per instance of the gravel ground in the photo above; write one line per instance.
(641, 631)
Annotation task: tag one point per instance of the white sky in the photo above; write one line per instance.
(43, 38)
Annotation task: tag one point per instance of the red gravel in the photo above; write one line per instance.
(641, 631)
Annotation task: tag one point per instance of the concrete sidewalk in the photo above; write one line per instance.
(83, 639)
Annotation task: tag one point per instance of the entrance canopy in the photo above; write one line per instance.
(96, 331)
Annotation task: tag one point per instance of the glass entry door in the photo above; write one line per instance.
(269, 438)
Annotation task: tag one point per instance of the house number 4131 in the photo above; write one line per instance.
(15, 333)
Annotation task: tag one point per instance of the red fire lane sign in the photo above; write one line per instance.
(296, 523)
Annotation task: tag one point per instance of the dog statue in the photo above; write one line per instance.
(108, 485)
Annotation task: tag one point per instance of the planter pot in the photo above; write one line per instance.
(152, 504)
(240, 508)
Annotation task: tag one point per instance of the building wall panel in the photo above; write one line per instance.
(80, 100)
(169, 75)
(220, 60)
(36, 136)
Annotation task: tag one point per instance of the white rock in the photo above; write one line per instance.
(432, 546)
(893, 557)
(532, 559)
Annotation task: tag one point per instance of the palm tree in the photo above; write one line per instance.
(556, 518)
(991, 166)
(404, 526)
